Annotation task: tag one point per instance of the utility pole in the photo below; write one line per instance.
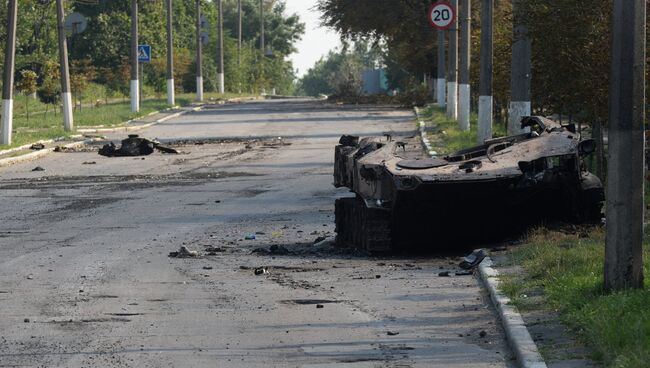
(8, 81)
(452, 72)
(199, 54)
(239, 32)
(624, 238)
(171, 99)
(135, 83)
(262, 45)
(463, 79)
(520, 71)
(442, 77)
(220, 71)
(66, 96)
(485, 101)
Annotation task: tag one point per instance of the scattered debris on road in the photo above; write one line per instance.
(38, 168)
(89, 163)
(184, 252)
(473, 260)
(261, 271)
(134, 146)
(64, 149)
(37, 146)
(392, 333)
(275, 250)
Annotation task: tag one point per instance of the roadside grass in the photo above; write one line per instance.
(568, 270)
(43, 125)
(445, 135)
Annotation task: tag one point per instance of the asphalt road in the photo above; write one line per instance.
(86, 281)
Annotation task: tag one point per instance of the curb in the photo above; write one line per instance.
(519, 338)
(41, 153)
(423, 134)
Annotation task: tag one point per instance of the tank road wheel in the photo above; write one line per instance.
(362, 227)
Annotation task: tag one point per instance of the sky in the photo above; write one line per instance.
(316, 42)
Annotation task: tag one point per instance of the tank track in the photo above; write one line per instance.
(361, 227)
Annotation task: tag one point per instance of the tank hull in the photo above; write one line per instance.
(483, 194)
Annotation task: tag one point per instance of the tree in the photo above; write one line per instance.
(27, 86)
(50, 91)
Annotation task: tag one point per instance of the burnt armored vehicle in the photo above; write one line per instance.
(405, 199)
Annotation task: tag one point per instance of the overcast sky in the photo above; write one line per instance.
(317, 40)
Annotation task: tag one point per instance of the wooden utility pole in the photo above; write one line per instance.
(464, 90)
(520, 70)
(220, 70)
(199, 54)
(624, 238)
(135, 83)
(8, 80)
(452, 71)
(171, 99)
(442, 70)
(485, 101)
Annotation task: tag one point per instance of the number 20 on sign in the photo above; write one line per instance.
(442, 15)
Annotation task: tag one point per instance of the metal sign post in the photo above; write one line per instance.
(144, 56)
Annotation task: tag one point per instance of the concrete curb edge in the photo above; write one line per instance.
(423, 133)
(519, 338)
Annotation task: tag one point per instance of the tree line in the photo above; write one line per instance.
(571, 48)
(101, 53)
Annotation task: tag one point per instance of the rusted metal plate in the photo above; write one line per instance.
(427, 163)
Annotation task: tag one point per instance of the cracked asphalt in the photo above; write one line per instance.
(86, 280)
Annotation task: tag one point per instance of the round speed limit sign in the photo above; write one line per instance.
(442, 15)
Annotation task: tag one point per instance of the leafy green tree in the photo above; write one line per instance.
(50, 91)
(27, 86)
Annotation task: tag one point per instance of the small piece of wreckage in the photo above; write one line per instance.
(134, 146)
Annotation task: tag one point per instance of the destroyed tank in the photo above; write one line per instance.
(404, 199)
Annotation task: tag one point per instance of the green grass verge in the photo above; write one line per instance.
(445, 135)
(42, 125)
(569, 271)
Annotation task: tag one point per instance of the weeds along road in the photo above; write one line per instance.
(86, 281)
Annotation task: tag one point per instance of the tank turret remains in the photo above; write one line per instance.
(405, 200)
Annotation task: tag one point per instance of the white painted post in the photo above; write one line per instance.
(464, 102)
(135, 84)
(485, 100)
(452, 72)
(441, 82)
(171, 98)
(8, 81)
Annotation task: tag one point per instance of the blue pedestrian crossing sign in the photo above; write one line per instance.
(144, 53)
